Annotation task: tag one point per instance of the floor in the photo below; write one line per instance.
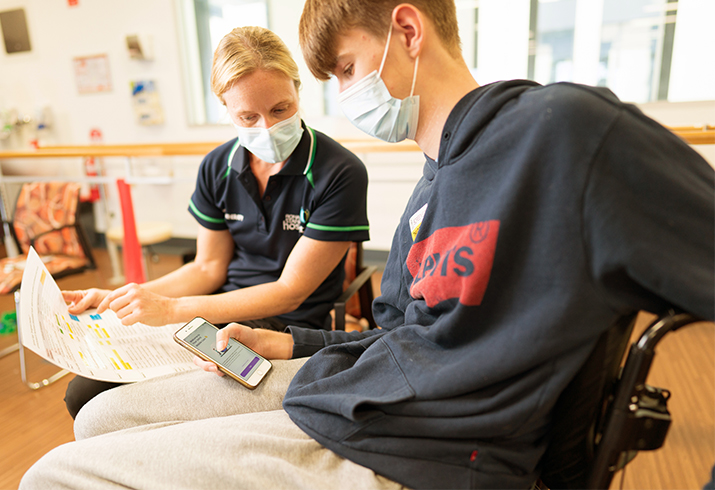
(33, 422)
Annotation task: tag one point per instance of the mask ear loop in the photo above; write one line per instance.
(414, 76)
(384, 55)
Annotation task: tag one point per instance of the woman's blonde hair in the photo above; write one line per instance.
(245, 50)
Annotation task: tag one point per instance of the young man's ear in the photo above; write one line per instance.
(408, 21)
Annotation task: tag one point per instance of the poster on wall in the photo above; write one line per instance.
(92, 74)
(14, 31)
(147, 105)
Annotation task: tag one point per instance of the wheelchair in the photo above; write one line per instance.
(608, 413)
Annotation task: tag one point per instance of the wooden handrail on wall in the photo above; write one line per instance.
(174, 149)
(692, 135)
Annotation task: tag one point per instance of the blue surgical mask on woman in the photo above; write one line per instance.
(275, 144)
(370, 106)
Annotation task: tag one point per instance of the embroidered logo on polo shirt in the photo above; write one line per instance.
(454, 262)
(233, 217)
(292, 222)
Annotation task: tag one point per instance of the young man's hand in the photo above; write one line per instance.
(268, 343)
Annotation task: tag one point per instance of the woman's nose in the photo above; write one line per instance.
(269, 121)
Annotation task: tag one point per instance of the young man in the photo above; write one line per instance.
(544, 214)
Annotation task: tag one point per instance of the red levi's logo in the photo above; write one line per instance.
(454, 262)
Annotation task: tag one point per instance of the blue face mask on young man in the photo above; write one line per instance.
(370, 106)
(275, 144)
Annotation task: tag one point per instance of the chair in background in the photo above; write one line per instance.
(134, 238)
(148, 233)
(45, 218)
(608, 413)
(357, 280)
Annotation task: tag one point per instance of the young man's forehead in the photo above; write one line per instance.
(354, 41)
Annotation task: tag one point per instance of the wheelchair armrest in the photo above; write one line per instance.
(612, 451)
(353, 288)
(670, 322)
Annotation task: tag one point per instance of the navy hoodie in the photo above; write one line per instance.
(550, 212)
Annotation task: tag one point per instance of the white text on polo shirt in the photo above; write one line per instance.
(292, 222)
(233, 217)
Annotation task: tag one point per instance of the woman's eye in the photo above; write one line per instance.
(348, 70)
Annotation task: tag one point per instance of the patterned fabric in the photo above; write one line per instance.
(45, 217)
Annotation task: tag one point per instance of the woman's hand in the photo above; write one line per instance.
(268, 343)
(133, 304)
(80, 301)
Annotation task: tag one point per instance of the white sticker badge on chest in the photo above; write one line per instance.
(416, 221)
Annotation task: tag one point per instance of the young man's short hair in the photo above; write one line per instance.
(324, 20)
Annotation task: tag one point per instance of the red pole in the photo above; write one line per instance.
(131, 249)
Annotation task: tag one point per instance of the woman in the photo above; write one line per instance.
(277, 209)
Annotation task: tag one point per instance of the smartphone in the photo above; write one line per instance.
(236, 360)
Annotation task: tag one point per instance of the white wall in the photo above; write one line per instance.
(503, 47)
(676, 114)
(691, 60)
(45, 76)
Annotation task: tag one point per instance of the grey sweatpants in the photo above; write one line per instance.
(195, 430)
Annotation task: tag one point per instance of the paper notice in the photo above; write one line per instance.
(91, 345)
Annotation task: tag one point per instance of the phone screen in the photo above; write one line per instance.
(236, 358)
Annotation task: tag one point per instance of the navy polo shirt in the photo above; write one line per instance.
(320, 192)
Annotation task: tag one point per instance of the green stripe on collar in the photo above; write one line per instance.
(308, 172)
(230, 158)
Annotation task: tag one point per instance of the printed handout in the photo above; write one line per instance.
(92, 345)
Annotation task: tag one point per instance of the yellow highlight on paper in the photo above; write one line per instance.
(43, 276)
(83, 359)
(124, 364)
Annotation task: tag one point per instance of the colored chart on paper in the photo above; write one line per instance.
(92, 345)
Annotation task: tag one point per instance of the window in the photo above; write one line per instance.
(202, 24)
(551, 43)
(643, 50)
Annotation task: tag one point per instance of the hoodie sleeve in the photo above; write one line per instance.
(307, 342)
(649, 219)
